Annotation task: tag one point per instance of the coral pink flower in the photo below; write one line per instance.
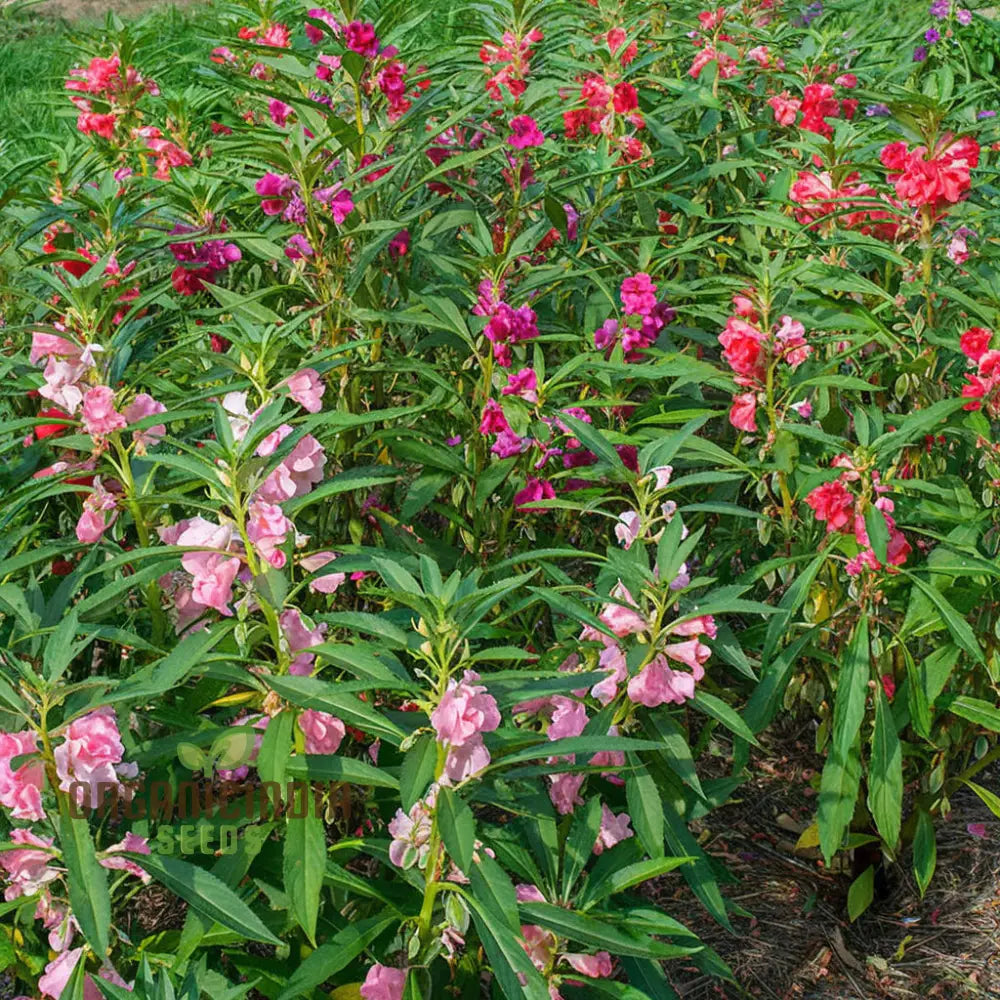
(99, 415)
(466, 710)
(93, 522)
(833, 503)
(539, 944)
(524, 132)
(21, 790)
(975, 342)
(323, 732)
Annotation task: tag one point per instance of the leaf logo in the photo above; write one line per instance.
(232, 749)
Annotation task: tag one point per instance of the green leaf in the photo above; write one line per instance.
(992, 801)
(630, 875)
(861, 893)
(457, 826)
(304, 864)
(417, 771)
(329, 958)
(645, 809)
(852, 689)
(717, 709)
(335, 767)
(516, 975)
(878, 533)
(977, 711)
(89, 897)
(60, 648)
(205, 893)
(959, 628)
(580, 844)
(885, 773)
(275, 747)
(924, 851)
(596, 933)
(838, 792)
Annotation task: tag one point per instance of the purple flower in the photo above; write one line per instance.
(919, 53)
(940, 9)
(964, 16)
(298, 247)
(338, 200)
(932, 35)
(295, 211)
(877, 111)
(986, 114)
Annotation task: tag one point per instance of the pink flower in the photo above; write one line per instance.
(28, 871)
(528, 893)
(638, 295)
(743, 413)
(133, 843)
(53, 981)
(267, 528)
(99, 415)
(298, 247)
(565, 792)
(627, 528)
(91, 754)
(465, 711)
(656, 684)
(977, 830)
(623, 618)
(21, 790)
(338, 200)
(213, 584)
(300, 638)
(329, 582)
(399, 245)
(524, 132)
(275, 190)
(92, 523)
(568, 719)
(297, 474)
(141, 407)
(466, 761)
(692, 654)
(539, 944)
(785, 107)
(595, 966)
(323, 732)
(613, 830)
(803, 408)
(508, 444)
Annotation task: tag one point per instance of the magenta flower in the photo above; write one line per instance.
(535, 490)
(524, 384)
(360, 37)
(275, 190)
(524, 132)
(493, 420)
(298, 247)
(638, 294)
(338, 200)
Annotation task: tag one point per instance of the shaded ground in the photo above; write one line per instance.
(799, 945)
(92, 10)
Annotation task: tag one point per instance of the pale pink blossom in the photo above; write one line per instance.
(411, 834)
(539, 944)
(614, 829)
(141, 407)
(267, 529)
(568, 719)
(91, 755)
(329, 582)
(28, 867)
(323, 732)
(300, 471)
(93, 521)
(662, 474)
(21, 790)
(528, 893)
(61, 384)
(383, 983)
(466, 710)
(623, 618)
(627, 528)
(112, 858)
(99, 415)
(595, 966)
(300, 637)
(307, 389)
(656, 684)
(565, 791)
(466, 761)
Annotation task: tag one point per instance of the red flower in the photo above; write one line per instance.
(833, 503)
(975, 342)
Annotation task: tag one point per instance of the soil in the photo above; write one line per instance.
(799, 944)
(95, 10)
